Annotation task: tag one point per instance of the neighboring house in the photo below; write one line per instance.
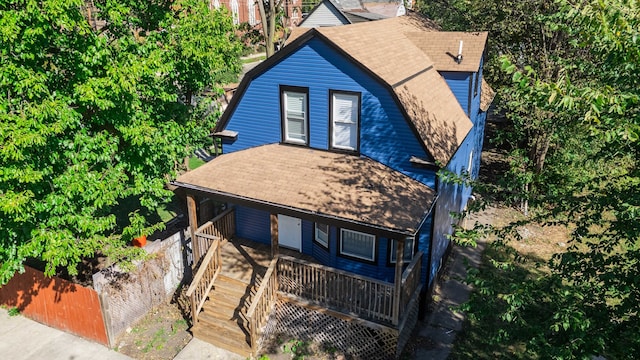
(344, 12)
(331, 149)
(247, 11)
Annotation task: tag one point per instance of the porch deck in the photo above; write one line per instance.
(247, 260)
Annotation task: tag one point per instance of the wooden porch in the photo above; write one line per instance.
(238, 285)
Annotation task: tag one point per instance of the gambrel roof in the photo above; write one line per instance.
(386, 49)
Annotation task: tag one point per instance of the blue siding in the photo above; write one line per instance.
(424, 243)
(307, 237)
(459, 84)
(385, 135)
(253, 224)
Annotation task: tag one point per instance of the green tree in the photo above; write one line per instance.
(523, 32)
(586, 302)
(98, 107)
(273, 19)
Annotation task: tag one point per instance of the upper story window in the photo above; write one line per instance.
(345, 120)
(295, 115)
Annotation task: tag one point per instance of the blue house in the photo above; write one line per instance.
(330, 153)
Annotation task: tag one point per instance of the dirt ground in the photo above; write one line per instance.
(161, 334)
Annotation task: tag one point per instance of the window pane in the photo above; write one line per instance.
(358, 244)
(344, 136)
(296, 103)
(345, 108)
(345, 121)
(407, 251)
(322, 234)
(295, 129)
(295, 116)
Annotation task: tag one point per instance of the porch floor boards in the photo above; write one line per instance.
(247, 260)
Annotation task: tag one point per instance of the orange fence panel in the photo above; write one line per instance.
(57, 303)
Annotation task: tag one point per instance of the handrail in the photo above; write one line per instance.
(220, 227)
(262, 303)
(202, 282)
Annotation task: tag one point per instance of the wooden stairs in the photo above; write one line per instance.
(222, 320)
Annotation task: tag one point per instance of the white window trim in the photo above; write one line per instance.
(355, 123)
(305, 119)
(392, 252)
(319, 231)
(373, 252)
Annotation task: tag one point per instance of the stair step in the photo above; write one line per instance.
(225, 313)
(227, 326)
(218, 338)
(215, 305)
(232, 281)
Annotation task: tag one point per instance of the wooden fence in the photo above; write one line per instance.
(56, 302)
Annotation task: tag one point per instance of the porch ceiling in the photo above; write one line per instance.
(325, 184)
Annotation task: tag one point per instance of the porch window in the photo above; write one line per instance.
(294, 105)
(358, 245)
(407, 252)
(345, 120)
(322, 234)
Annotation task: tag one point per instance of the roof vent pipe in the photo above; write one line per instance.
(459, 57)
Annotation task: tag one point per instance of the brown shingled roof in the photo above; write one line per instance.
(323, 183)
(383, 48)
(486, 95)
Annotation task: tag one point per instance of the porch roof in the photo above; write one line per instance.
(323, 184)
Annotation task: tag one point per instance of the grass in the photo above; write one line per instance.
(195, 162)
(253, 59)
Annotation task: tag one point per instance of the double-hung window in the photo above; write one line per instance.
(322, 234)
(358, 245)
(407, 251)
(295, 115)
(345, 120)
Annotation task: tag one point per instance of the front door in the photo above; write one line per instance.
(290, 232)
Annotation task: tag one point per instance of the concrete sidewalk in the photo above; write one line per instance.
(24, 339)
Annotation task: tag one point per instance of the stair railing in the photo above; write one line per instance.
(202, 283)
(262, 303)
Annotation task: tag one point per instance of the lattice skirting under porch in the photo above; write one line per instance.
(356, 339)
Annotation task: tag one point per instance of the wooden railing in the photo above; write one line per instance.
(410, 281)
(340, 290)
(262, 303)
(221, 227)
(208, 271)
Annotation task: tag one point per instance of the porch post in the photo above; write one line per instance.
(398, 280)
(193, 226)
(275, 249)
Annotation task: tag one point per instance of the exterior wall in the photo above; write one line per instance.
(253, 224)
(459, 84)
(324, 15)
(385, 135)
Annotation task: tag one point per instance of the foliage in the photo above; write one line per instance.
(97, 107)
(297, 348)
(14, 311)
(586, 304)
(274, 20)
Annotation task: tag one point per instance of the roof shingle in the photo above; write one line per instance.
(345, 186)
